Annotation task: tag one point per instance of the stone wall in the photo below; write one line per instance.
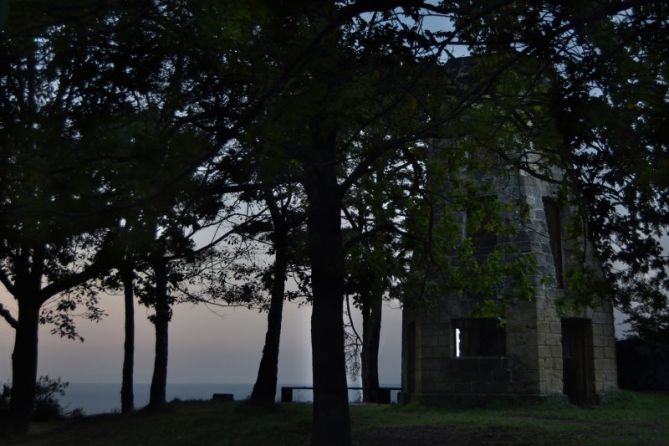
(533, 364)
(549, 330)
(604, 350)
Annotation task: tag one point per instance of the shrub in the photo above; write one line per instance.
(47, 392)
(4, 400)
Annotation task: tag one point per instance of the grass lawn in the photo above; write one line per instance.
(628, 419)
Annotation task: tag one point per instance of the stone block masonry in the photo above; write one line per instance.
(544, 353)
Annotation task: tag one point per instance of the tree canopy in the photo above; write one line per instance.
(154, 113)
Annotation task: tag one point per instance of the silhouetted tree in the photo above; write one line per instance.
(375, 212)
(284, 220)
(127, 273)
(42, 254)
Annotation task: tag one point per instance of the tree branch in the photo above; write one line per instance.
(350, 318)
(4, 279)
(73, 280)
(7, 316)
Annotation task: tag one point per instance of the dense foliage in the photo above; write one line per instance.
(347, 127)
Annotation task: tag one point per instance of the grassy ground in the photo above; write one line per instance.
(628, 419)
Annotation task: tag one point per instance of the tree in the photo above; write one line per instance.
(376, 260)
(66, 94)
(334, 106)
(283, 222)
(41, 255)
(127, 274)
(126, 260)
(608, 80)
(160, 320)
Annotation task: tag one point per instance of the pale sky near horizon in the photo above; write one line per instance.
(206, 345)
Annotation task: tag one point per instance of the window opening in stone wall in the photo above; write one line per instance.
(479, 337)
(553, 222)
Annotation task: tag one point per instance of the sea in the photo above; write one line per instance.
(97, 398)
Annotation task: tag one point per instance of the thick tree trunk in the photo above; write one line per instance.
(371, 337)
(264, 390)
(24, 364)
(331, 421)
(161, 322)
(127, 396)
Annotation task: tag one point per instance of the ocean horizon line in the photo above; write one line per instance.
(95, 398)
(212, 383)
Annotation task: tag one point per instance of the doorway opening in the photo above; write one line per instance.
(577, 361)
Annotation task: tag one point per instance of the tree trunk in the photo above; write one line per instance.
(331, 421)
(161, 322)
(127, 396)
(24, 364)
(264, 390)
(371, 336)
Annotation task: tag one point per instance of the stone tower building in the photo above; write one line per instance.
(449, 356)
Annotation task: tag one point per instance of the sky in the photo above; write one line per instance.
(206, 345)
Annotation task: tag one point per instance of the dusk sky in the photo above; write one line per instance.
(207, 345)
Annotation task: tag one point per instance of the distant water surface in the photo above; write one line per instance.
(95, 398)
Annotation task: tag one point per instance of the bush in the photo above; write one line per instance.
(47, 406)
(4, 400)
(47, 392)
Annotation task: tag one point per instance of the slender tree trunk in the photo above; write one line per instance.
(264, 390)
(24, 363)
(127, 396)
(371, 337)
(161, 323)
(331, 421)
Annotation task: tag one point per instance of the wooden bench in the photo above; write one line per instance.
(384, 393)
(223, 397)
